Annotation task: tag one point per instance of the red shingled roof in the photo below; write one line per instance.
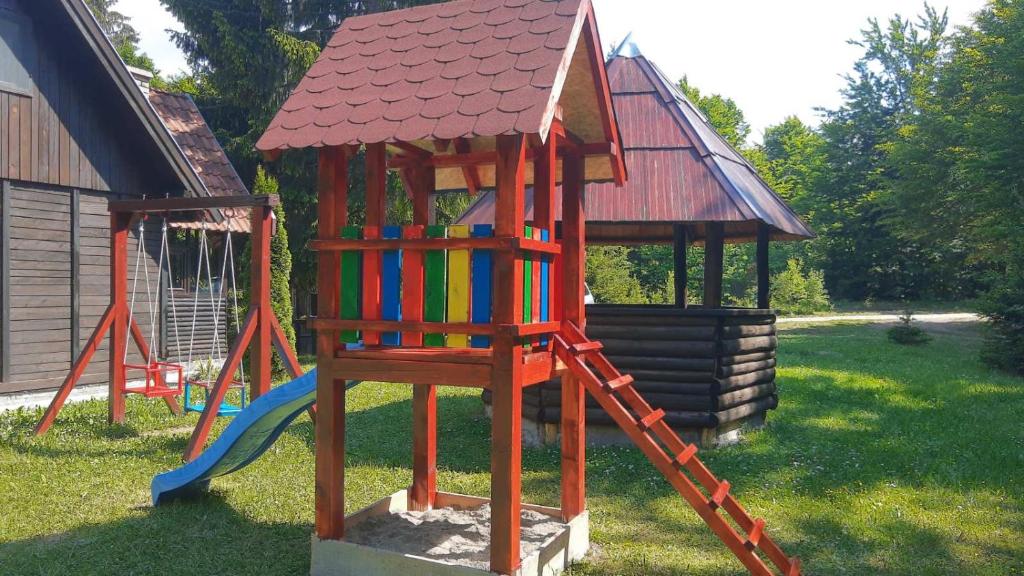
(461, 69)
(681, 170)
(192, 134)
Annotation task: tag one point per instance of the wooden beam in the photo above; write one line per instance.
(77, 369)
(714, 253)
(160, 205)
(220, 388)
(679, 244)
(411, 149)
(260, 365)
(545, 168)
(119, 225)
(376, 218)
(423, 492)
(521, 330)
(763, 270)
(422, 244)
(76, 280)
(471, 173)
(284, 348)
(573, 263)
(507, 398)
(329, 499)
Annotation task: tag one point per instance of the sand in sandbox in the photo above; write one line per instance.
(448, 535)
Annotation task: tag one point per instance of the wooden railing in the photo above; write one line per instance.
(411, 286)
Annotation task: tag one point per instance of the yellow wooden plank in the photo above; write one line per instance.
(458, 286)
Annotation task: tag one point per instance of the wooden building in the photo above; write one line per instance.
(709, 366)
(76, 130)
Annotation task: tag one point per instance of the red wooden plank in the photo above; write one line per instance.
(259, 300)
(424, 448)
(119, 224)
(371, 286)
(284, 348)
(506, 454)
(719, 496)
(77, 369)
(412, 287)
(574, 441)
(329, 500)
(573, 241)
(220, 388)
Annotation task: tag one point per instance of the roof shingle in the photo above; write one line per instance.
(459, 69)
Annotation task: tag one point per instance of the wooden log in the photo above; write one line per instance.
(714, 246)
(744, 380)
(746, 368)
(732, 359)
(686, 348)
(598, 331)
(748, 330)
(663, 363)
(745, 410)
(744, 395)
(747, 345)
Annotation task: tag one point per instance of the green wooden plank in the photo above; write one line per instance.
(527, 287)
(435, 283)
(351, 284)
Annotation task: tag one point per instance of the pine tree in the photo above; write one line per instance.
(280, 265)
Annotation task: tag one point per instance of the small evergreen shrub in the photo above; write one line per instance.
(1004, 308)
(794, 293)
(907, 333)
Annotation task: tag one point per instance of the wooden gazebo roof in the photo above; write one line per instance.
(681, 170)
(457, 74)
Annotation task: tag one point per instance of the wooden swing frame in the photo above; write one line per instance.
(259, 331)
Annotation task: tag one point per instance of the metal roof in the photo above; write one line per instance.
(681, 169)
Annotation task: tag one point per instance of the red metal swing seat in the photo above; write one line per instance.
(156, 379)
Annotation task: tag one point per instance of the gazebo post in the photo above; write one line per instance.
(714, 254)
(332, 193)
(763, 273)
(119, 225)
(507, 359)
(679, 241)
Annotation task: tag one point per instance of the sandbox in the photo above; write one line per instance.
(451, 539)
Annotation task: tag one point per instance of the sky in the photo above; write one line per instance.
(775, 59)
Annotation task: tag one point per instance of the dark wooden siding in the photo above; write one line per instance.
(64, 133)
(93, 276)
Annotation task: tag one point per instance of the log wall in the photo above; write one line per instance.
(708, 369)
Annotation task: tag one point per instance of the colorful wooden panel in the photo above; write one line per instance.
(458, 286)
(483, 270)
(371, 285)
(434, 269)
(528, 261)
(391, 286)
(545, 286)
(351, 284)
(412, 286)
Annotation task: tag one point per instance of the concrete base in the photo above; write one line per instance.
(341, 558)
(537, 434)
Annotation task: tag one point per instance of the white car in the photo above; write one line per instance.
(588, 298)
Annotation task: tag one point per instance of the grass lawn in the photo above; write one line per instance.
(880, 460)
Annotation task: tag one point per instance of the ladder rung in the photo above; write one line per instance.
(586, 347)
(685, 455)
(754, 538)
(794, 567)
(719, 496)
(647, 421)
(620, 382)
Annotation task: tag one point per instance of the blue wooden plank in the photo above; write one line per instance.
(390, 285)
(545, 287)
(483, 270)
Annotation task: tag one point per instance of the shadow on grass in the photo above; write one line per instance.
(206, 536)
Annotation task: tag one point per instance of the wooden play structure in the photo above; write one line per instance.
(164, 379)
(493, 95)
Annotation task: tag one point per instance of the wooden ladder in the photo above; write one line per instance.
(647, 428)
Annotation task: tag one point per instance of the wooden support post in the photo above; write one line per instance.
(259, 300)
(679, 242)
(424, 397)
(5, 284)
(376, 217)
(763, 272)
(220, 388)
(573, 418)
(332, 193)
(545, 168)
(506, 423)
(119, 224)
(714, 254)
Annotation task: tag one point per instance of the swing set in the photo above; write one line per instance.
(154, 377)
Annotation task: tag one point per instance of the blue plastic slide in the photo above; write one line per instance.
(247, 437)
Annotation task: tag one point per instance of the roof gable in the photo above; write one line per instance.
(82, 20)
(468, 69)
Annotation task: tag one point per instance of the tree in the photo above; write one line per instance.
(280, 265)
(248, 55)
(723, 113)
(116, 25)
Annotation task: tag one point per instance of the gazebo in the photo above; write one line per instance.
(711, 367)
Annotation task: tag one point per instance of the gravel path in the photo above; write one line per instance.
(946, 318)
